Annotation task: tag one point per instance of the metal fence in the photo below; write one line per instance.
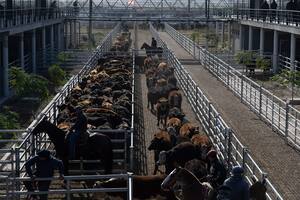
(230, 149)
(279, 114)
(285, 63)
(69, 188)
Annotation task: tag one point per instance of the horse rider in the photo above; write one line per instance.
(154, 43)
(76, 131)
(45, 166)
(238, 185)
(216, 170)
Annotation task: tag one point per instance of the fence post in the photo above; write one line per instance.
(242, 87)
(228, 76)
(260, 100)
(286, 120)
(130, 189)
(228, 145)
(209, 116)
(245, 153)
(68, 190)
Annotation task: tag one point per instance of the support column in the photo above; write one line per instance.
(52, 43)
(59, 40)
(5, 66)
(44, 45)
(33, 51)
(75, 34)
(275, 52)
(241, 38)
(217, 28)
(293, 51)
(229, 35)
(22, 51)
(71, 34)
(222, 34)
(250, 41)
(261, 41)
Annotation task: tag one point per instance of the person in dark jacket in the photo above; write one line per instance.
(238, 185)
(153, 43)
(78, 129)
(273, 6)
(216, 170)
(45, 166)
(264, 11)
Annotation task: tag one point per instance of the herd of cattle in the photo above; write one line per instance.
(105, 93)
(177, 141)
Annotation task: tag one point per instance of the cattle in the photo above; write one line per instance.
(179, 155)
(162, 109)
(188, 130)
(144, 187)
(203, 142)
(161, 142)
(175, 99)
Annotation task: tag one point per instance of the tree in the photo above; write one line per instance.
(29, 85)
(8, 120)
(56, 75)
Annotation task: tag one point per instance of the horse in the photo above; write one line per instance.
(97, 147)
(258, 190)
(191, 187)
(151, 51)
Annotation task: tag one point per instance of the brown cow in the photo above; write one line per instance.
(144, 187)
(203, 142)
(160, 142)
(148, 63)
(188, 130)
(173, 126)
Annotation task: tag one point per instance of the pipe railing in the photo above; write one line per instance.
(230, 149)
(269, 107)
(67, 188)
(10, 18)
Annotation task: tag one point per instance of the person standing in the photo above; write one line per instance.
(238, 185)
(273, 7)
(45, 166)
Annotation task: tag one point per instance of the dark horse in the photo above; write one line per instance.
(151, 51)
(97, 147)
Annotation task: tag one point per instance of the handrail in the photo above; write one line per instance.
(230, 149)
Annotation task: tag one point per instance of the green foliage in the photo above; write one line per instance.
(213, 39)
(195, 36)
(262, 63)
(246, 57)
(62, 57)
(8, 120)
(56, 75)
(286, 77)
(28, 85)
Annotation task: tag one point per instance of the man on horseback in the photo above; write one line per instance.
(238, 185)
(154, 43)
(76, 131)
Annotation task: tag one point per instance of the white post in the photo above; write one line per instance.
(261, 42)
(71, 34)
(217, 28)
(229, 34)
(292, 53)
(222, 34)
(75, 34)
(275, 51)
(250, 41)
(22, 50)
(33, 50)
(5, 66)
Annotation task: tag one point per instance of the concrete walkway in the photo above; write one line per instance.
(280, 161)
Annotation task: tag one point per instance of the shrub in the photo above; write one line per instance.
(262, 63)
(286, 77)
(8, 120)
(56, 75)
(245, 57)
(62, 57)
(29, 85)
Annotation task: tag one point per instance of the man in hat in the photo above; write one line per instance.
(238, 185)
(216, 170)
(154, 43)
(45, 166)
(78, 129)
